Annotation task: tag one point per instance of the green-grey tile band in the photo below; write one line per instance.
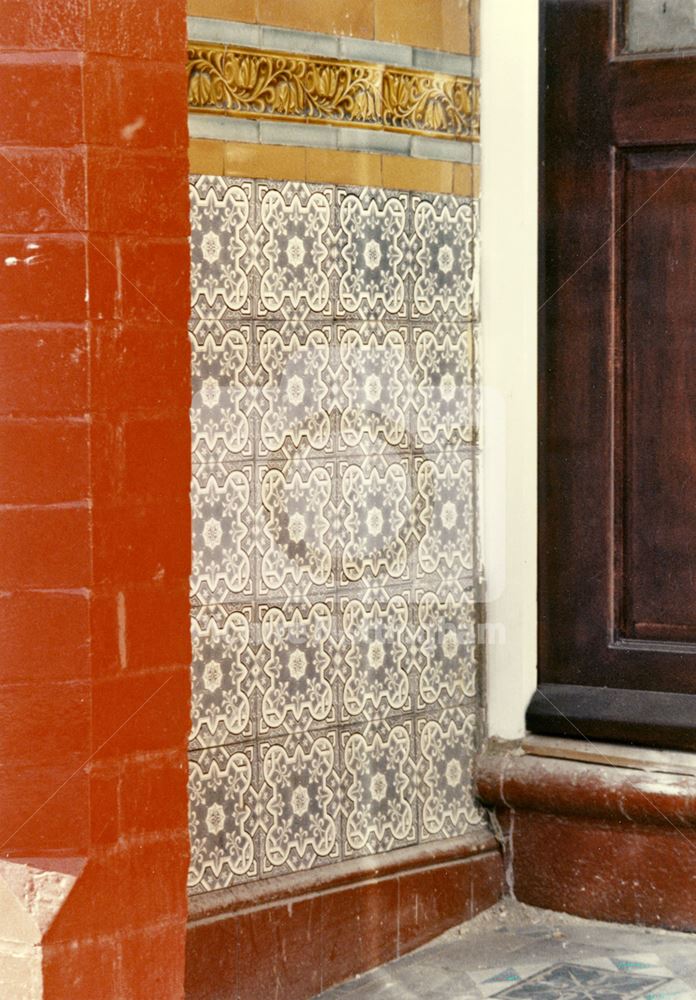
(212, 126)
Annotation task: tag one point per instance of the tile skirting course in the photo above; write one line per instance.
(323, 927)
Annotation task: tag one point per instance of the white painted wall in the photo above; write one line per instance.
(509, 87)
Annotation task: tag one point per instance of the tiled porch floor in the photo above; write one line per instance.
(514, 951)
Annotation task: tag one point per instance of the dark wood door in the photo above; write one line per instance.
(617, 442)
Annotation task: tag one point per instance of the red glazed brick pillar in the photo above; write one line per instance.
(94, 500)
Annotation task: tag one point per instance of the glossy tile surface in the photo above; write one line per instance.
(335, 673)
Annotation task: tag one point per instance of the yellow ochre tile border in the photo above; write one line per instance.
(330, 166)
(447, 25)
(241, 82)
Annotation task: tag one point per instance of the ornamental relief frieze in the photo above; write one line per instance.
(250, 83)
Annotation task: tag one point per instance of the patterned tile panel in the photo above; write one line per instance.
(335, 674)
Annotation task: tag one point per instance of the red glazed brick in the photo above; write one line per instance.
(148, 31)
(153, 874)
(136, 105)
(44, 371)
(127, 888)
(44, 547)
(155, 281)
(42, 278)
(153, 963)
(142, 544)
(123, 923)
(141, 367)
(43, 462)
(168, 643)
(108, 633)
(43, 190)
(104, 815)
(44, 635)
(157, 458)
(147, 193)
(43, 809)
(26, 24)
(124, 633)
(46, 722)
(140, 713)
(105, 279)
(153, 794)
(83, 969)
(32, 118)
(107, 460)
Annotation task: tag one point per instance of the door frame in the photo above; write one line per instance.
(509, 370)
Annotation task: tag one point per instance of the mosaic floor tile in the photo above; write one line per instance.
(567, 981)
(514, 950)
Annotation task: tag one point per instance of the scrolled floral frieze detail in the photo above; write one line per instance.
(250, 83)
(430, 103)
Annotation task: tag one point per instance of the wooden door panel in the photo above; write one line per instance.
(617, 382)
(653, 100)
(658, 341)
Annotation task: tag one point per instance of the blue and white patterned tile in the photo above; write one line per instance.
(446, 231)
(221, 222)
(296, 222)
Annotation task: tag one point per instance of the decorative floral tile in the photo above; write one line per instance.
(297, 223)
(297, 660)
(445, 483)
(444, 390)
(220, 818)
(372, 229)
(445, 252)
(446, 649)
(447, 744)
(220, 427)
(295, 508)
(335, 699)
(379, 788)
(376, 382)
(220, 691)
(220, 237)
(221, 516)
(377, 506)
(298, 803)
(376, 656)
